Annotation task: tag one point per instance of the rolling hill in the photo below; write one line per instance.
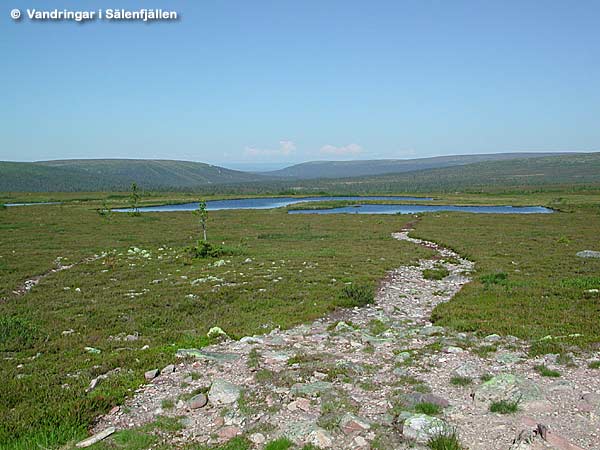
(114, 174)
(343, 169)
(568, 169)
(117, 175)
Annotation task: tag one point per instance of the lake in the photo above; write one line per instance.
(260, 203)
(413, 209)
(278, 202)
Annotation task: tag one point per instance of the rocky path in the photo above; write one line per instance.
(376, 377)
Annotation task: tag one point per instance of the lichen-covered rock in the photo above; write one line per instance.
(353, 424)
(223, 392)
(318, 387)
(468, 370)
(421, 427)
(202, 354)
(216, 333)
(508, 387)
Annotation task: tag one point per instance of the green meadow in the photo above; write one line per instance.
(283, 270)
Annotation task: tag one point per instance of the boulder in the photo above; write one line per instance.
(421, 427)
(468, 370)
(318, 387)
(353, 424)
(415, 398)
(430, 331)
(151, 374)
(508, 387)
(198, 401)
(223, 392)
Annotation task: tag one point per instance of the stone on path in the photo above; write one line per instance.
(210, 356)
(151, 374)
(318, 387)
(415, 398)
(96, 438)
(508, 387)
(321, 438)
(421, 427)
(353, 424)
(168, 369)
(588, 254)
(468, 370)
(223, 392)
(198, 401)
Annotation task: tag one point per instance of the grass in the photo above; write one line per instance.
(445, 441)
(461, 381)
(505, 406)
(594, 365)
(279, 444)
(546, 372)
(431, 409)
(437, 273)
(118, 296)
(355, 295)
(544, 290)
(295, 260)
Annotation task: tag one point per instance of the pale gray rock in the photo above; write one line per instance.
(198, 401)
(151, 374)
(508, 387)
(421, 427)
(588, 254)
(96, 438)
(223, 392)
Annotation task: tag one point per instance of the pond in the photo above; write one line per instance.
(413, 209)
(278, 202)
(261, 203)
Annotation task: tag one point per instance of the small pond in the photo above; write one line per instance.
(260, 203)
(413, 209)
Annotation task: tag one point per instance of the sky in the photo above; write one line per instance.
(278, 82)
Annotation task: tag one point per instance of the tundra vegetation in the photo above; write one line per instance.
(145, 296)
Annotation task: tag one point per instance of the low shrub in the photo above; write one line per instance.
(494, 278)
(355, 295)
(207, 250)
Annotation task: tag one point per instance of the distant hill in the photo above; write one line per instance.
(114, 174)
(118, 174)
(342, 169)
(568, 169)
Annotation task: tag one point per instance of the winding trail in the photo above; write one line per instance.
(352, 379)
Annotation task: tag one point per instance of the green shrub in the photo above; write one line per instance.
(447, 440)
(279, 444)
(16, 334)
(355, 295)
(431, 409)
(435, 274)
(494, 278)
(207, 250)
(505, 406)
(546, 372)
(460, 381)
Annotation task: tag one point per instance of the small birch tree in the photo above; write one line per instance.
(202, 217)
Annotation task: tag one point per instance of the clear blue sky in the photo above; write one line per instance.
(288, 81)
